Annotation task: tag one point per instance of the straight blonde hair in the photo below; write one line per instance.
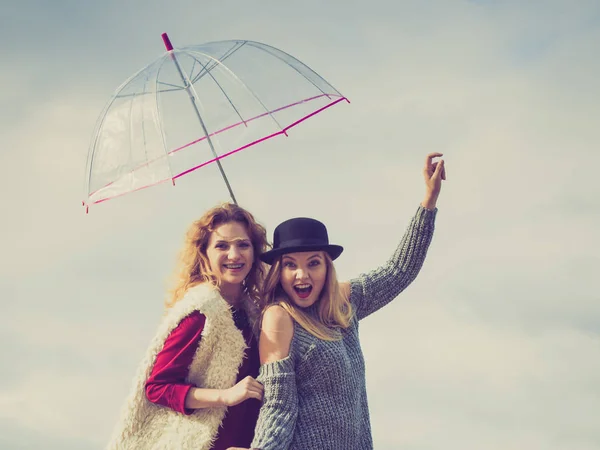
(334, 309)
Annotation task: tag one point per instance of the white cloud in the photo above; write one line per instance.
(446, 373)
(496, 344)
(63, 405)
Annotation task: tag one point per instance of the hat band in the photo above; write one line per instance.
(308, 242)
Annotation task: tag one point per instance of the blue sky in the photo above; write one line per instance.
(497, 343)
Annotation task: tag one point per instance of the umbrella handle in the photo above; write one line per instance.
(167, 41)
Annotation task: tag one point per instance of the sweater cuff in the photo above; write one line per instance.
(281, 367)
(426, 213)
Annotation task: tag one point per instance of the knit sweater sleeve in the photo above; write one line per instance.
(373, 290)
(277, 418)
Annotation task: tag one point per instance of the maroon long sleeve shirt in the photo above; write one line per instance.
(166, 385)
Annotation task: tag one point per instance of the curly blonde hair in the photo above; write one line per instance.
(193, 265)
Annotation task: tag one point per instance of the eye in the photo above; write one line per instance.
(245, 245)
(314, 263)
(221, 246)
(289, 264)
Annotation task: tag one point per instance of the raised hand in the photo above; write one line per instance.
(245, 389)
(434, 173)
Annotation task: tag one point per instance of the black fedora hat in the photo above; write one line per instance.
(300, 234)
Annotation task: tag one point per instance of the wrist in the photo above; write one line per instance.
(222, 397)
(430, 201)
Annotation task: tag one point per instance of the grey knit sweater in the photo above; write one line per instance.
(316, 398)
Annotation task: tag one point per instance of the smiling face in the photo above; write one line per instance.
(230, 253)
(303, 276)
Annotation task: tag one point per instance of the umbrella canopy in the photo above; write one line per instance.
(195, 105)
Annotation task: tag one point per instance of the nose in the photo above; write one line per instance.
(234, 253)
(301, 274)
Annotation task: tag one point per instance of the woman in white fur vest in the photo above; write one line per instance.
(196, 387)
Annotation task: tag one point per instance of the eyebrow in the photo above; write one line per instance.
(310, 257)
(232, 240)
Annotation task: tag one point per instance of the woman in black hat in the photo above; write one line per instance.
(313, 370)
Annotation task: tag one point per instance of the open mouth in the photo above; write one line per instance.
(234, 267)
(303, 290)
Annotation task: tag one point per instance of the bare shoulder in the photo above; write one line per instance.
(276, 335)
(345, 289)
(276, 318)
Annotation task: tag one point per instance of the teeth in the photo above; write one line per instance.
(233, 266)
(302, 286)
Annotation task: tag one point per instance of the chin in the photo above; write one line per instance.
(238, 279)
(304, 302)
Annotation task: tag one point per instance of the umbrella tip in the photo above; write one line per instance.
(167, 41)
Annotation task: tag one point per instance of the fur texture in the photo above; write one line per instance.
(146, 426)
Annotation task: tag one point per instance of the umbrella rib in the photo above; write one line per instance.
(185, 172)
(277, 133)
(193, 96)
(325, 89)
(193, 67)
(266, 48)
(233, 75)
(222, 90)
(172, 85)
(196, 78)
(148, 92)
(250, 120)
(239, 123)
(159, 116)
(144, 123)
(227, 54)
(99, 125)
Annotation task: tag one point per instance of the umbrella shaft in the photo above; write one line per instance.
(208, 139)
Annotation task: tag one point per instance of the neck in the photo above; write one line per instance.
(232, 293)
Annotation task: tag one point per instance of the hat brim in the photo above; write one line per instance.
(271, 256)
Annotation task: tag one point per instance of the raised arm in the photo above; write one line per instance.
(371, 291)
(277, 418)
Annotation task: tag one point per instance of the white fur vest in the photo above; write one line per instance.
(146, 426)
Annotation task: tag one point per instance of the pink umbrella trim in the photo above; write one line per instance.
(212, 134)
(283, 131)
(251, 119)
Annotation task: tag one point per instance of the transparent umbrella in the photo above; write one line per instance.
(194, 106)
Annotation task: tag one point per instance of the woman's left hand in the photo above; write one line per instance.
(434, 173)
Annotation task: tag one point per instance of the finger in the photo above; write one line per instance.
(255, 382)
(430, 157)
(259, 388)
(249, 381)
(256, 385)
(444, 173)
(439, 168)
(254, 394)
